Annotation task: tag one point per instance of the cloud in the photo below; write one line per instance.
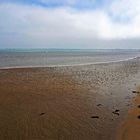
(36, 26)
(125, 8)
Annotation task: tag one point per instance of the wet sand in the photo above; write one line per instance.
(129, 129)
(66, 103)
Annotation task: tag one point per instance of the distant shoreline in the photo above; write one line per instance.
(72, 65)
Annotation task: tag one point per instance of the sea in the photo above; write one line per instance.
(18, 58)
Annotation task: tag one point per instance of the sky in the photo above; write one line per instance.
(70, 24)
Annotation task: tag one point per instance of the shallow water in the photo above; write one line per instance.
(42, 58)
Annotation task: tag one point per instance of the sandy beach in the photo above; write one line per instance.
(92, 102)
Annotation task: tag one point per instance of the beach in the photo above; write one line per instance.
(87, 102)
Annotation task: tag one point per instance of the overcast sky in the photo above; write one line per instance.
(70, 24)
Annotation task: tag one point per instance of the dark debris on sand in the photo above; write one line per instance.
(42, 114)
(116, 112)
(99, 104)
(138, 106)
(139, 117)
(95, 117)
(134, 91)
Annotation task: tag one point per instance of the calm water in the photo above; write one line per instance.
(23, 58)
